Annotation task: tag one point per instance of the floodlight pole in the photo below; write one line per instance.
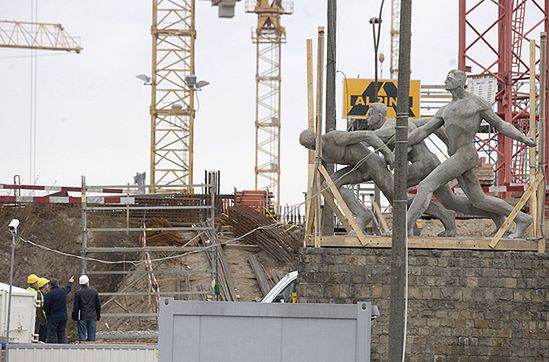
(12, 259)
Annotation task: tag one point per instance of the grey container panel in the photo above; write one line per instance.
(81, 353)
(251, 332)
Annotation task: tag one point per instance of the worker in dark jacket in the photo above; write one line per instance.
(55, 306)
(86, 310)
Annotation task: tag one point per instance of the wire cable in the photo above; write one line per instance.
(138, 262)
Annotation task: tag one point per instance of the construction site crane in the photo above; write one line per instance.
(172, 95)
(395, 37)
(268, 36)
(44, 36)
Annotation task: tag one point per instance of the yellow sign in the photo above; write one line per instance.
(358, 94)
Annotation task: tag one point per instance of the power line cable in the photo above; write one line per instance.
(137, 262)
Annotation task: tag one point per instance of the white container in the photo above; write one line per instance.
(23, 314)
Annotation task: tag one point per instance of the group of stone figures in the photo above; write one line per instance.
(456, 124)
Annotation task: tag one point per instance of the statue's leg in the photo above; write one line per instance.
(462, 204)
(350, 176)
(382, 177)
(471, 186)
(417, 171)
(448, 170)
(446, 217)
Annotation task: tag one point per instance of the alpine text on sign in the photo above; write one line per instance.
(358, 94)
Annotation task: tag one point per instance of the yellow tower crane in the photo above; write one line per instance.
(45, 36)
(268, 37)
(172, 95)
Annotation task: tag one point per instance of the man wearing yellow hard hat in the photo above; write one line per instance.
(43, 285)
(32, 281)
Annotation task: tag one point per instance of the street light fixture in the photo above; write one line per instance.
(145, 78)
(191, 82)
(201, 84)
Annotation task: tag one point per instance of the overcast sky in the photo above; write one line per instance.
(93, 117)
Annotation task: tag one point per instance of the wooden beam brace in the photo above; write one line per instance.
(330, 200)
(509, 220)
(343, 206)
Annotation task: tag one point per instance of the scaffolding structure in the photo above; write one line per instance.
(172, 95)
(136, 221)
(493, 43)
(268, 36)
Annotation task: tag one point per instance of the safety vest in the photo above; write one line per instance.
(40, 297)
(31, 289)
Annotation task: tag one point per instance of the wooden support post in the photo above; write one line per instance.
(542, 129)
(509, 220)
(344, 208)
(309, 210)
(318, 130)
(533, 202)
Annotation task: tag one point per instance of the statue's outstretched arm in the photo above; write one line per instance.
(421, 133)
(505, 127)
(370, 139)
(439, 132)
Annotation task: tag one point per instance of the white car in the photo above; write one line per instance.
(283, 291)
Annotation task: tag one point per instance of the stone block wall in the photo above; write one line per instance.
(463, 305)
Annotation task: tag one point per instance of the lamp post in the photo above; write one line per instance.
(13, 229)
(376, 36)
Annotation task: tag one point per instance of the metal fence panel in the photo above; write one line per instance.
(81, 353)
(251, 332)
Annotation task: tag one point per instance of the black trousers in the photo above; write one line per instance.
(57, 331)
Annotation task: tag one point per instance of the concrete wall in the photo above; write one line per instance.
(463, 305)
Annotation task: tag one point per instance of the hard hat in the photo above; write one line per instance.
(33, 278)
(83, 279)
(42, 282)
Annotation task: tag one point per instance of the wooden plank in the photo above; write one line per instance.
(318, 130)
(432, 243)
(541, 245)
(533, 204)
(310, 98)
(260, 275)
(344, 208)
(377, 212)
(310, 207)
(509, 220)
(309, 210)
(329, 199)
(318, 214)
(542, 128)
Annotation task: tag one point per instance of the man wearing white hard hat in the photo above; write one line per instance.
(86, 310)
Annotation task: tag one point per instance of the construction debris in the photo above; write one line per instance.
(224, 280)
(260, 275)
(254, 228)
